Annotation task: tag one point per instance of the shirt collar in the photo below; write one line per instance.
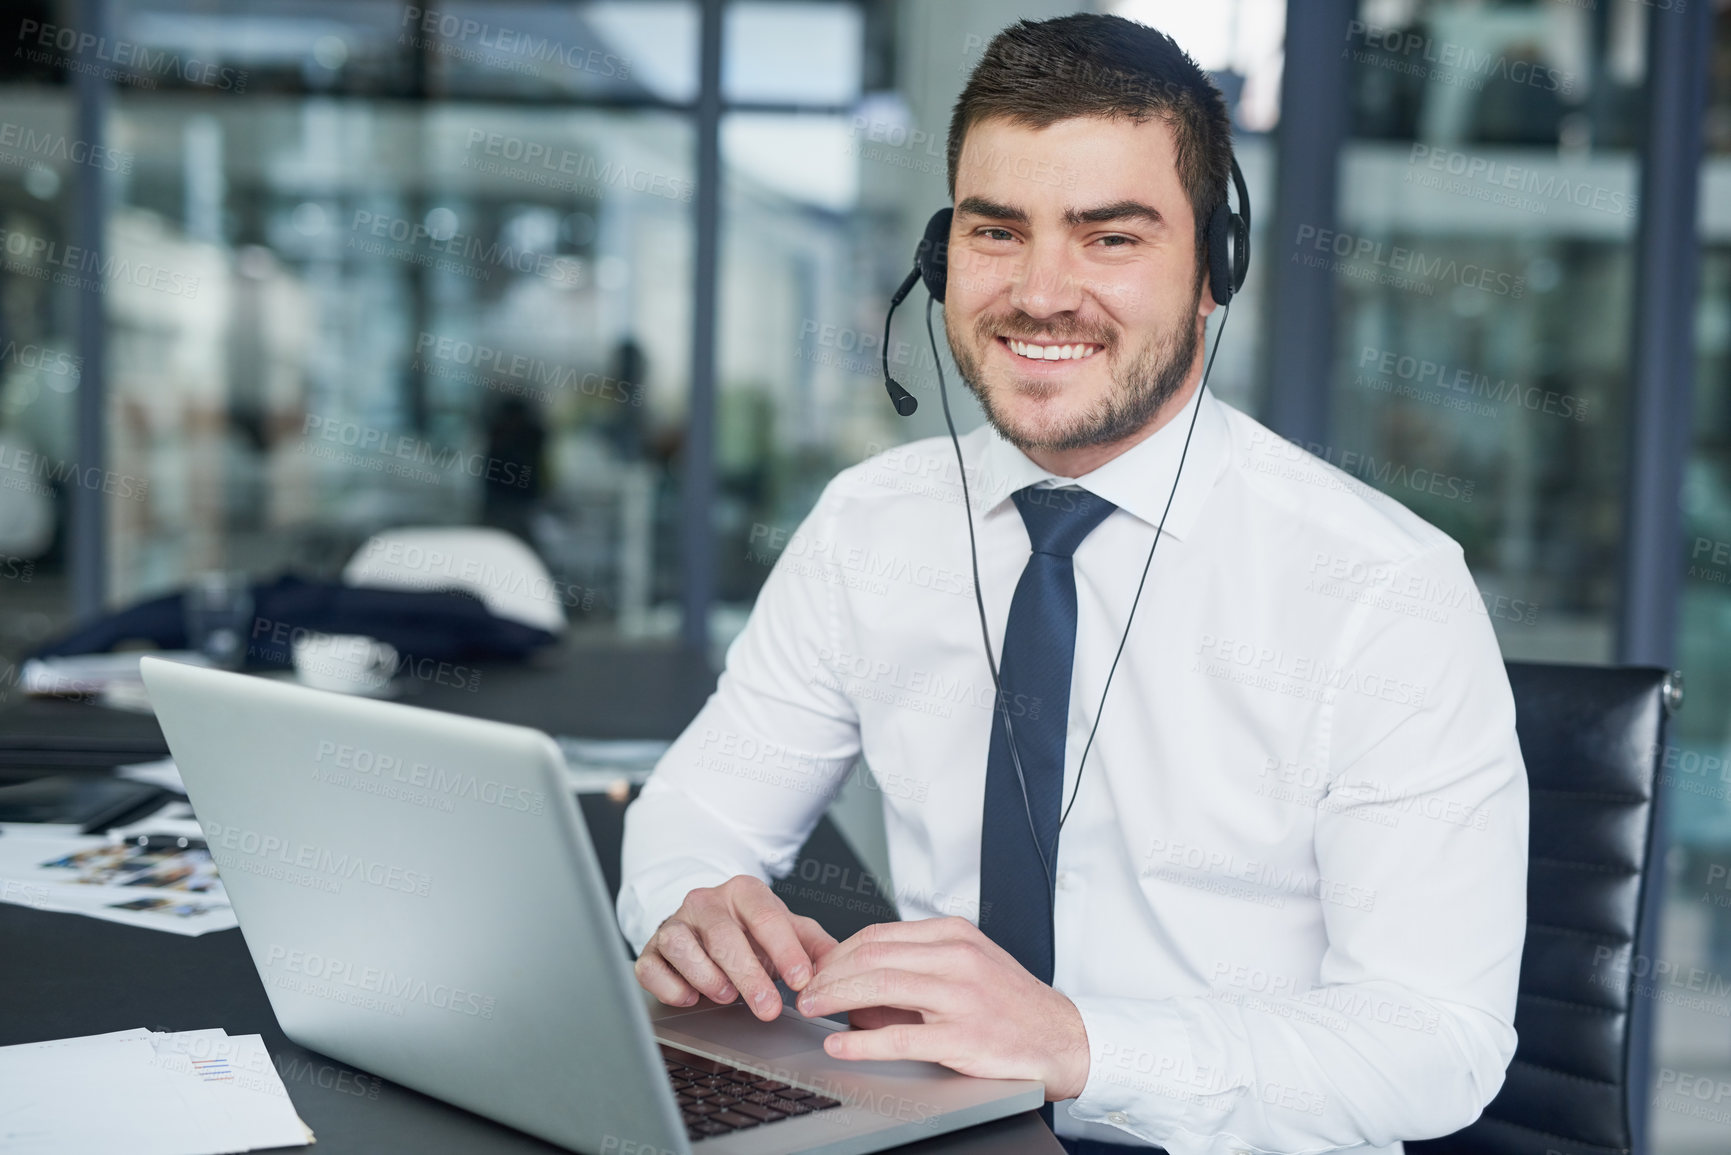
(1137, 480)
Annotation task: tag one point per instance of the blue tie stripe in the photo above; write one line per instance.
(1034, 673)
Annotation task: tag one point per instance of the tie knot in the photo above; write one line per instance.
(1059, 519)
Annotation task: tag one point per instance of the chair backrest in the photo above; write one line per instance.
(505, 574)
(1592, 739)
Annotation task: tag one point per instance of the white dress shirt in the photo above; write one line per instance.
(1292, 890)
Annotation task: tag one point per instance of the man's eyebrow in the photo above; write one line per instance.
(1116, 211)
(992, 210)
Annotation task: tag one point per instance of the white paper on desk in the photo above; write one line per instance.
(92, 673)
(602, 780)
(601, 765)
(94, 1096)
(236, 1081)
(612, 751)
(89, 674)
(163, 772)
(93, 860)
(165, 910)
(113, 886)
(137, 1092)
(86, 1040)
(12, 830)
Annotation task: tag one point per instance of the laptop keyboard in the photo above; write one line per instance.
(716, 1099)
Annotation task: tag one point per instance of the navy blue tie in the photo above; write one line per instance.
(1034, 673)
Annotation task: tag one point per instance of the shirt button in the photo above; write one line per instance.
(1063, 880)
(1117, 1118)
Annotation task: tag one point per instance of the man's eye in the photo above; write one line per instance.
(997, 234)
(1115, 241)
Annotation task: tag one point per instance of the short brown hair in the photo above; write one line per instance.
(1037, 73)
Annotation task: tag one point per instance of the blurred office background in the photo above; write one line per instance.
(277, 274)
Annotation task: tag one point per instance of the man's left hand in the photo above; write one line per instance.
(981, 1012)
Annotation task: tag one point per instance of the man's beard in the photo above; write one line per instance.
(1139, 388)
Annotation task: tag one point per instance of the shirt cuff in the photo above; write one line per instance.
(1144, 1077)
(646, 901)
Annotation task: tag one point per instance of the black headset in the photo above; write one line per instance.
(1227, 238)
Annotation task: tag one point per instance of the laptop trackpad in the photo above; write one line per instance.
(738, 1028)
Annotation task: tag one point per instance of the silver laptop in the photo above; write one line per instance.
(421, 899)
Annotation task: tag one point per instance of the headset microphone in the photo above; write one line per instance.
(899, 397)
(930, 266)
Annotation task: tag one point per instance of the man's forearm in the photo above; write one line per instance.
(1337, 1066)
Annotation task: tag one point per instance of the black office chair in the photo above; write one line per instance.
(1591, 737)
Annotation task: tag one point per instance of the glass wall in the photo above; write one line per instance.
(406, 267)
(40, 158)
(415, 314)
(443, 287)
(1483, 267)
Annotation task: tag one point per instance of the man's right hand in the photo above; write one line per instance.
(732, 940)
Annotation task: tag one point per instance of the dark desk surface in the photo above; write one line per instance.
(646, 690)
(65, 975)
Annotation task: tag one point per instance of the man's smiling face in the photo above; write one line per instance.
(1073, 306)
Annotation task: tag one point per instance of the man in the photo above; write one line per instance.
(1287, 903)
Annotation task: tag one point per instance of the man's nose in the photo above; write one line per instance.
(1046, 282)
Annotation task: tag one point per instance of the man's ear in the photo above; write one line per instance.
(1205, 303)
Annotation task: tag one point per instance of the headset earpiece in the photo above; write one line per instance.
(1228, 239)
(1240, 250)
(931, 257)
(1221, 282)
